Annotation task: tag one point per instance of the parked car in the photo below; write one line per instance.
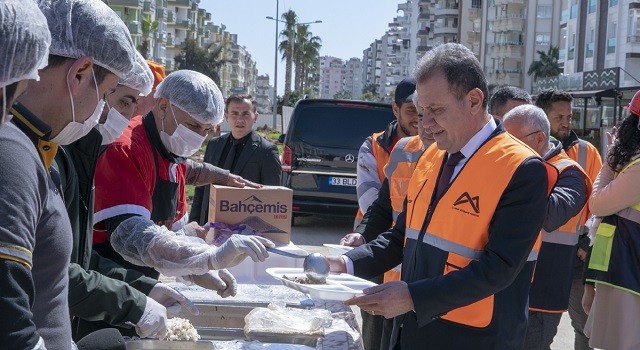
(320, 152)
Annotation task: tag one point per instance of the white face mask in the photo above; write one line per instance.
(74, 130)
(113, 126)
(183, 142)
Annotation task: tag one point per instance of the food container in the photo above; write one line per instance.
(339, 286)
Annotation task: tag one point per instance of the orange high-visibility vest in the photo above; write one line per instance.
(402, 162)
(588, 158)
(461, 218)
(549, 290)
(382, 158)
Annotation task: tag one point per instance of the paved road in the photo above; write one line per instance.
(310, 233)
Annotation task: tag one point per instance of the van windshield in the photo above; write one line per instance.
(340, 126)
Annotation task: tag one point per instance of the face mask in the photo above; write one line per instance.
(74, 131)
(113, 127)
(183, 142)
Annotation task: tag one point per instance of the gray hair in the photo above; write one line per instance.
(459, 65)
(529, 115)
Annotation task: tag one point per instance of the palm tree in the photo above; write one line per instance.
(286, 48)
(207, 60)
(547, 66)
(306, 52)
(148, 27)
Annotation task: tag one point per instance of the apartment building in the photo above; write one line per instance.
(352, 77)
(331, 69)
(263, 95)
(178, 20)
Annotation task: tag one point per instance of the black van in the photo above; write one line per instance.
(320, 152)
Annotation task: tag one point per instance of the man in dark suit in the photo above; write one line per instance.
(242, 151)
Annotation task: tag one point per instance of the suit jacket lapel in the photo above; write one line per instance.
(219, 147)
(247, 152)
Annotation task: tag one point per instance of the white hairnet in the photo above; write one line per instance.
(140, 78)
(89, 28)
(194, 93)
(24, 41)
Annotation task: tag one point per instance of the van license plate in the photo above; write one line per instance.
(342, 181)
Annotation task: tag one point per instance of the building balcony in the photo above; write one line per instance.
(169, 42)
(171, 17)
(445, 30)
(181, 3)
(634, 39)
(475, 48)
(423, 16)
(423, 32)
(474, 13)
(200, 31)
(446, 11)
(134, 28)
(507, 2)
(473, 37)
(508, 25)
(127, 3)
(498, 77)
(507, 51)
(161, 13)
(149, 6)
(182, 24)
(422, 48)
(160, 37)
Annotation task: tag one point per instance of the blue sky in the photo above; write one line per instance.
(348, 27)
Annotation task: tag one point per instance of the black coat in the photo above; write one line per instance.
(258, 162)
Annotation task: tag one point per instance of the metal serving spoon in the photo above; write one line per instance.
(315, 265)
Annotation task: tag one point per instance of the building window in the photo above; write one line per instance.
(589, 50)
(574, 11)
(613, 3)
(611, 45)
(592, 6)
(476, 4)
(571, 52)
(543, 39)
(544, 11)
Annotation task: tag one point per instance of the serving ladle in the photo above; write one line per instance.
(315, 265)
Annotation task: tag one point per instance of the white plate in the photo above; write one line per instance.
(339, 286)
(337, 249)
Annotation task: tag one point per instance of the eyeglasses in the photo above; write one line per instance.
(535, 132)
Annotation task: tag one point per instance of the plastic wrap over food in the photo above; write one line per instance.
(278, 319)
(219, 232)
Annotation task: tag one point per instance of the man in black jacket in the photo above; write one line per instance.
(242, 152)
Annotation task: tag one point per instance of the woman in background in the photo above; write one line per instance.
(612, 292)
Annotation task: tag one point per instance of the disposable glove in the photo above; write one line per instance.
(221, 281)
(153, 323)
(172, 300)
(236, 249)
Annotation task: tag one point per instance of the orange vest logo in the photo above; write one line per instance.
(466, 198)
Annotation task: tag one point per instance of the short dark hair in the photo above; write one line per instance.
(99, 71)
(503, 94)
(239, 98)
(458, 64)
(9, 91)
(547, 97)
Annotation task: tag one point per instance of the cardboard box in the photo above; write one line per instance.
(266, 209)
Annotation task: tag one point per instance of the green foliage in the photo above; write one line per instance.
(343, 95)
(206, 60)
(371, 88)
(369, 96)
(547, 65)
(148, 27)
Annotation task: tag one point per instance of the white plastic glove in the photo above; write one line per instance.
(236, 249)
(221, 281)
(172, 300)
(153, 323)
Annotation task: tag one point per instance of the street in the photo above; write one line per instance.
(311, 232)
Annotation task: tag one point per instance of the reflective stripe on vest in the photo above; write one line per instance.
(382, 158)
(461, 219)
(582, 153)
(574, 225)
(398, 171)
